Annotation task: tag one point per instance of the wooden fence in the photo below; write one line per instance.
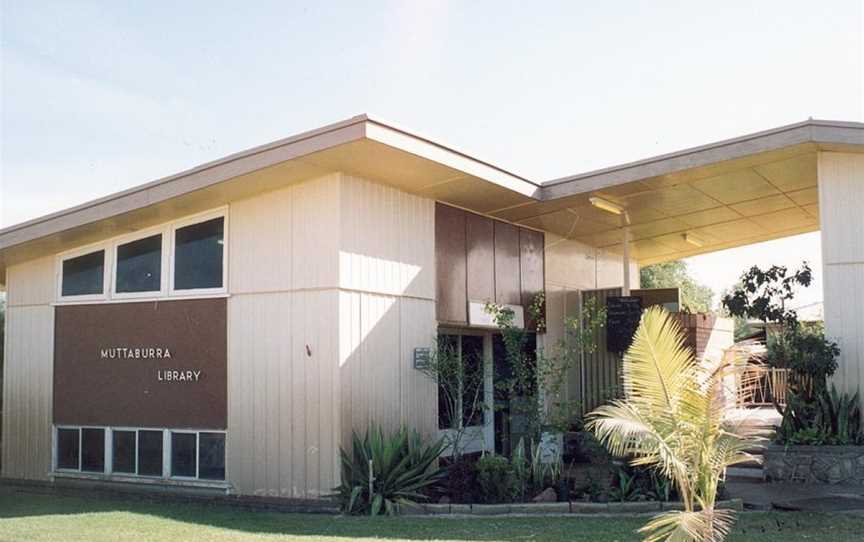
(761, 385)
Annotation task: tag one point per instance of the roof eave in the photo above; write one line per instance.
(810, 132)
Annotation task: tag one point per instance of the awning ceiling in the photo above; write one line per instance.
(750, 201)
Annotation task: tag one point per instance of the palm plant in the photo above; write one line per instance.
(674, 418)
(385, 471)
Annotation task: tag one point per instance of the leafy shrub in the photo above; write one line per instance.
(496, 479)
(625, 487)
(461, 481)
(404, 471)
(806, 352)
(591, 490)
(641, 484)
(831, 419)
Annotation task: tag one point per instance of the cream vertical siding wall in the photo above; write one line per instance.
(841, 212)
(28, 370)
(283, 387)
(387, 307)
(571, 267)
(332, 287)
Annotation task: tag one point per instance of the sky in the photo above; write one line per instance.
(96, 97)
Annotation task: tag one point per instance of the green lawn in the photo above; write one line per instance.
(43, 518)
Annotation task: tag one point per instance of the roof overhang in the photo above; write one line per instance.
(726, 194)
(359, 146)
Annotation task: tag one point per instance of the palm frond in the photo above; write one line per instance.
(701, 526)
(675, 417)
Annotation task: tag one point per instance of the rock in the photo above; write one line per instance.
(444, 500)
(547, 495)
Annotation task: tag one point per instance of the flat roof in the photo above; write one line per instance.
(718, 192)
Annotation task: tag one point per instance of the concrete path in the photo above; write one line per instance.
(759, 495)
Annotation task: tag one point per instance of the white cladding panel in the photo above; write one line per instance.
(841, 201)
(841, 207)
(332, 287)
(387, 241)
(378, 334)
(286, 239)
(27, 391)
(31, 283)
(283, 387)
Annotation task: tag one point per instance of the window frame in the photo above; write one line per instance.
(191, 221)
(166, 454)
(167, 291)
(83, 251)
(163, 265)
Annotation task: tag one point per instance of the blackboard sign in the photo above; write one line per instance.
(622, 319)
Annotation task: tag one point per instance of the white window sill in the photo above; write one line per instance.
(144, 480)
(139, 299)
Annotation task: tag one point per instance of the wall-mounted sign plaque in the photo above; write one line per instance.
(422, 357)
(141, 364)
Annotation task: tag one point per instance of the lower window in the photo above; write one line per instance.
(123, 451)
(92, 449)
(183, 456)
(69, 449)
(141, 452)
(211, 456)
(150, 453)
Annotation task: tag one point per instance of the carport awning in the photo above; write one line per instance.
(731, 193)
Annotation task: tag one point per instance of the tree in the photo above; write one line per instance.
(695, 297)
(762, 295)
(673, 419)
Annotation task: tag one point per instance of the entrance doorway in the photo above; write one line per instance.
(489, 412)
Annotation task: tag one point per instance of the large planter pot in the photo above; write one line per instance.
(815, 464)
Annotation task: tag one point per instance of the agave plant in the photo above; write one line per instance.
(401, 467)
(674, 418)
(839, 415)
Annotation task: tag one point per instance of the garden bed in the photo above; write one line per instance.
(815, 464)
(556, 508)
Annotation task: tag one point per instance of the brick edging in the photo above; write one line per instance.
(556, 508)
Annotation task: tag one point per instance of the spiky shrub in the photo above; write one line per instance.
(674, 418)
(404, 470)
(831, 418)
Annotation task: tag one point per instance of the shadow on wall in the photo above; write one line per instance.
(377, 380)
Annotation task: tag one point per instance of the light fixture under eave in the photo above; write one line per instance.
(606, 205)
(693, 240)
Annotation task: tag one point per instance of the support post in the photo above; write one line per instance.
(841, 199)
(625, 243)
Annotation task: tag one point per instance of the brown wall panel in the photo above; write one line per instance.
(531, 264)
(480, 236)
(482, 259)
(450, 263)
(90, 389)
(508, 285)
(657, 296)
